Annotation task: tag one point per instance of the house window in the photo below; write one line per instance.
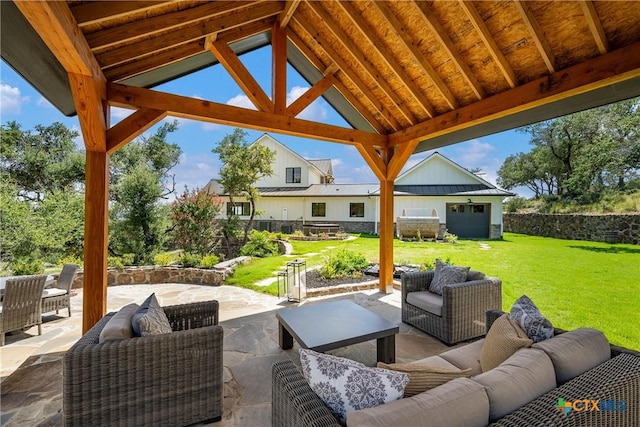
(318, 209)
(293, 175)
(457, 208)
(356, 210)
(239, 208)
(477, 208)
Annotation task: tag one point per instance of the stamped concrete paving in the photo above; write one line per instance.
(31, 368)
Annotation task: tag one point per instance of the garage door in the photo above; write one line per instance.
(468, 220)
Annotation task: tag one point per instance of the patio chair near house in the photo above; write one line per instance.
(458, 314)
(21, 305)
(58, 295)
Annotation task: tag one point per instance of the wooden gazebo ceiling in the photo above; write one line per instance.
(407, 70)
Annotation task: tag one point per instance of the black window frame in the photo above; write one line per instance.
(315, 206)
(245, 208)
(290, 175)
(360, 213)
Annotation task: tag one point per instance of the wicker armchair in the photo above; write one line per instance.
(21, 305)
(461, 308)
(58, 295)
(160, 380)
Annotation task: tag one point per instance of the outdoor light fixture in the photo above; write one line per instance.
(469, 201)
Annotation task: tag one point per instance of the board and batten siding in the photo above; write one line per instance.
(438, 172)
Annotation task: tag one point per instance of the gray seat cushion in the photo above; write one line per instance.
(523, 377)
(466, 356)
(575, 352)
(119, 326)
(458, 403)
(427, 301)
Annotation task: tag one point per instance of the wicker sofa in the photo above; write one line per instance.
(617, 380)
(171, 379)
(457, 315)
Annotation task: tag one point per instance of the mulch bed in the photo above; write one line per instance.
(314, 280)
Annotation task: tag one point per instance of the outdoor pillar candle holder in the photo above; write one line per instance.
(296, 282)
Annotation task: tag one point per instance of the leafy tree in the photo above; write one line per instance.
(140, 179)
(43, 161)
(243, 166)
(195, 225)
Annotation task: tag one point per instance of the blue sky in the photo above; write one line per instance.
(20, 102)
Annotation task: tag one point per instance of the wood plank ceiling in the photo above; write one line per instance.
(401, 72)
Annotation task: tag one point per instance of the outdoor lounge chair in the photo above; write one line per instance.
(172, 379)
(457, 315)
(21, 305)
(58, 295)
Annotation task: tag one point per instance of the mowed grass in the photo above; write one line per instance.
(574, 283)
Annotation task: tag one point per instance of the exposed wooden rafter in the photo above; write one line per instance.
(197, 109)
(385, 114)
(132, 126)
(304, 100)
(441, 35)
(354, 50)
(490, 43)
(287, 13)
(537, 35)
(595, 26)
(99, 11)
(166, 40)
(279, 68)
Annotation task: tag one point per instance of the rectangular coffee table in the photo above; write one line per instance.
(327, 326)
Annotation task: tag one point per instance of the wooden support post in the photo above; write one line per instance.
(386, 227)
(96, 234)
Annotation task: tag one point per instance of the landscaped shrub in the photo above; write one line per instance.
(115, 262)
(516, 203)
(449, 237)
(128, 259)
(70, 260)
(431, 265)
(163, 259)
(26, 266)
(190, 260)
(342, 263)
(209, 261)
(260, 245)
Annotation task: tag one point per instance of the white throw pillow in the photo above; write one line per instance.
(345, 385)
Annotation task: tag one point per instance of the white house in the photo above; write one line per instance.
(302, 193)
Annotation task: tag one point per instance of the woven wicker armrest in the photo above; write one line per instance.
(615, 384)
(293, 403)
(416, 282)
(193, 315)
(464, 296)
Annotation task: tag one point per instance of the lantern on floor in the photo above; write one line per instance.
(296, 280)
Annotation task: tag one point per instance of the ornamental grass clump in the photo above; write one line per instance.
(343, 263)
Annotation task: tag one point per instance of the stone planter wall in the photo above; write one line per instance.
(155, 274)
(597, 228)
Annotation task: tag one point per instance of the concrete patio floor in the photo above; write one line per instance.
(31, 367)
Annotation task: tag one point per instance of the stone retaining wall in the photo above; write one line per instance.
(597, 228)
(155, 274)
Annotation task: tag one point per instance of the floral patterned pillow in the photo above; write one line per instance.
(446, 274)
(345, 385)
(525, 313)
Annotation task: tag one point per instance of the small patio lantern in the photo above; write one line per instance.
(283, 292)
(296, 280)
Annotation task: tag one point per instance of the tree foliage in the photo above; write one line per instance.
(195, 225)
(140, 180)
(243, 165)
(579, 156)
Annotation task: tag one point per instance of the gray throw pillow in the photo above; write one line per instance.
(154, 321)
(446, 274)
(526, 314)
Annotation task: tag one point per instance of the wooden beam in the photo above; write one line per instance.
(386, 227)
(374, 121)
(145, 28)
(361, 59)
(242, 76)
(373, 159)
(440, 34)
(595, 26)
(89, 98)
(141, 48)
(151, 62)
(98, 11)
(279, 68)
(310, 95)
(388, 56)
(96, 236)
(601, 71)
(243, 31)
(537, 34)
(399, 159)
(56, 26)
(198, 109)
(490, 43)
(289, 9)
(132, 126)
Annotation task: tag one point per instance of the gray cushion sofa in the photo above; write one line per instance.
(522, 391)
(172, 379)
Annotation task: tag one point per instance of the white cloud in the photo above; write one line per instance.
(11, 100)
(474, 152)
(316, 111)
(119, 113)
(242, 101)
(44, 103)
(195, 170)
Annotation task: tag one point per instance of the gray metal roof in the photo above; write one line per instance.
(321, 190)
(450, 190)
(324, 165)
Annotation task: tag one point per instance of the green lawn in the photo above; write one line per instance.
(574, 283)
